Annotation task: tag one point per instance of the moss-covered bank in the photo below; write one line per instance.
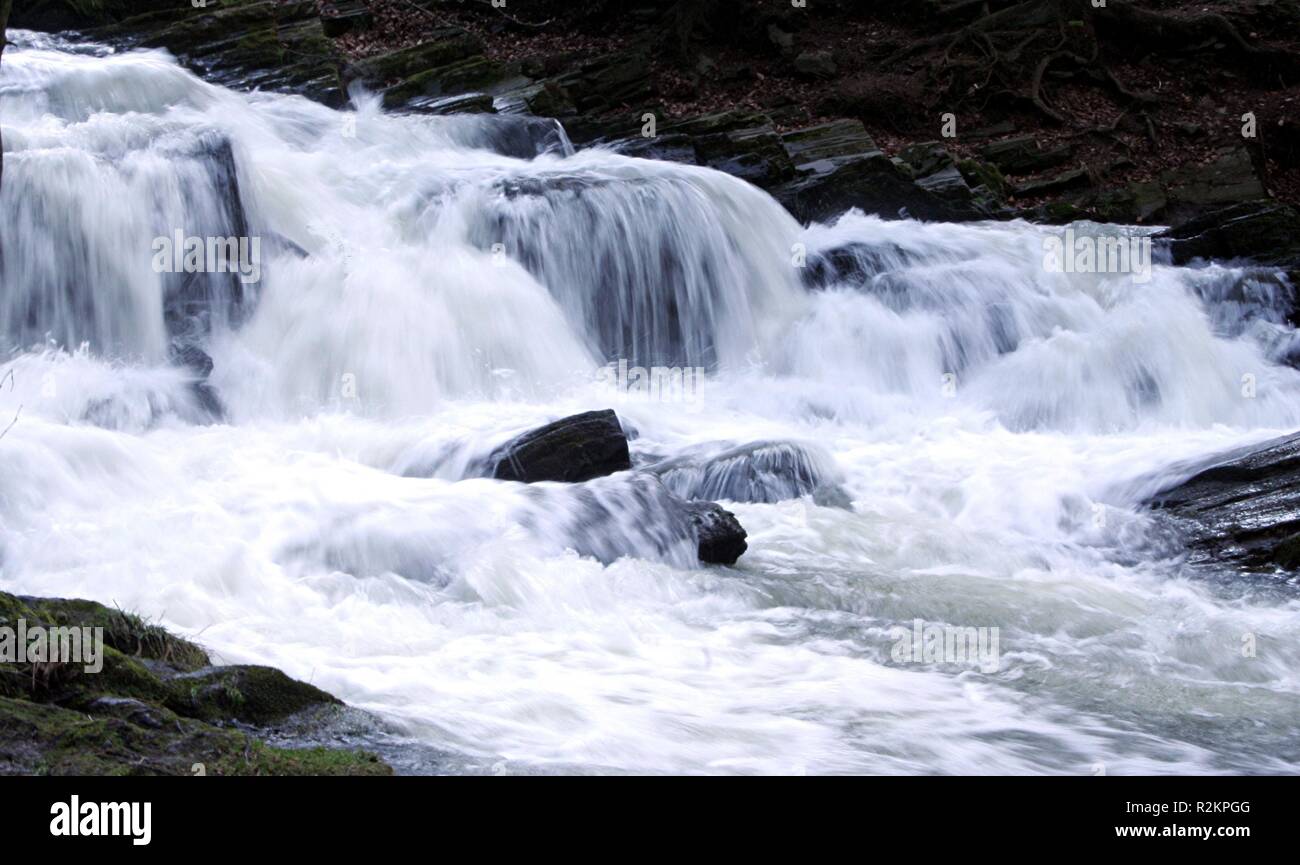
(157, 707)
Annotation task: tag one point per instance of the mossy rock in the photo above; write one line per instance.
(155, 706)
(251, 694)
(42, 739)
(984, 174)
(444, 48)
(477, 74)
(123, 631)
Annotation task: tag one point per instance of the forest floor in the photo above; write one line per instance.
(895, 73)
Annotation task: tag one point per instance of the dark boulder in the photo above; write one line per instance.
(871, 183)
(721, 537)
(1266, 232)
(1244, 508)
(570, 450)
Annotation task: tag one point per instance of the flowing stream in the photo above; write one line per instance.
(431, 286)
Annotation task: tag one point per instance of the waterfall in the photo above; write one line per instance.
(282, 459)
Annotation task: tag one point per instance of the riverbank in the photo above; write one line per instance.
(156, 705)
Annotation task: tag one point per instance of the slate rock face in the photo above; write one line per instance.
(1266, 232)
(1243, 509)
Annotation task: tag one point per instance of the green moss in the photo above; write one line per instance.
(151, 708)
(985, 174)
(123, 631)
(472, 75)
(251, 694)
(446, 47)
(48, 740)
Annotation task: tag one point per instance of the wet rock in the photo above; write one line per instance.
(837, 139)
(604, 97)
(196, 360)
(1244, 508)
(633, 514)
(192, 358)
(762, 472)
(1264, 232)
(721, 537)
(476, 74)
(464, 103)
(948, 184)
(448, 63)
(570, 450)
(268, 45)
(853, 265)
(755, 155)
(869, 182)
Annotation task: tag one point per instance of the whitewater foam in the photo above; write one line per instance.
(429, 290)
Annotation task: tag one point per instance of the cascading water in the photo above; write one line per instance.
(429, 289)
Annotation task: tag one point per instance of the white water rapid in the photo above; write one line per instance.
(992, 427)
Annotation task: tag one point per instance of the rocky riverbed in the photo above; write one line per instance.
(392, 469)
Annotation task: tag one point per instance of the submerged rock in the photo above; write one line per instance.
(762, 472)
(197, 361)
(607, 518)
(720, 535)
(1243, 509)
(570, 450)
